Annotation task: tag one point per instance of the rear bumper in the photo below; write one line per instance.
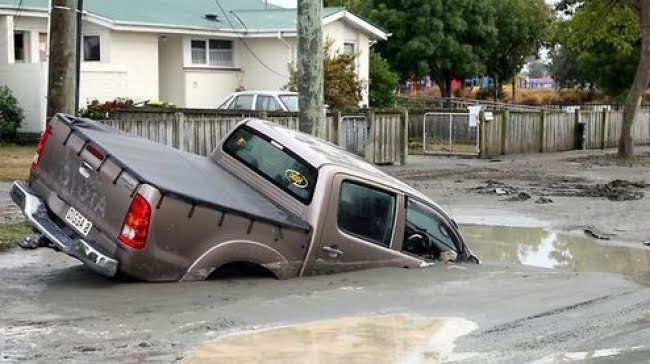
(36, 214)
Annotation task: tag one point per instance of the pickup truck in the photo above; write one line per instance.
(269, 196)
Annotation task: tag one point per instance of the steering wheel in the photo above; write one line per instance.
(417, 242)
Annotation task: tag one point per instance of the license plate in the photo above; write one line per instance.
(78, 221)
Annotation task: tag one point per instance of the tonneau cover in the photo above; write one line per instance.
(188, 176)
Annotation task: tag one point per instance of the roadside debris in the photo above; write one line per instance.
(615, 190)
(521, 196)
(646, 243)
(597, 233)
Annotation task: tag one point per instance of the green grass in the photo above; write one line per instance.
(15, 161)
(10, 233)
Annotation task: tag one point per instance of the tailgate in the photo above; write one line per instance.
(75, 170)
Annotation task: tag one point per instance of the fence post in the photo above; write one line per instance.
(179, 130)
(504, 131)
(336, 121)
(542, 132)
(370, 143)
(482, 148)
(404, 140)
(605, 134)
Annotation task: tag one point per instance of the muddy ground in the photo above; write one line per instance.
(587, 189)
(53, 309)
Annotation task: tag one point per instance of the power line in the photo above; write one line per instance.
(241, 38)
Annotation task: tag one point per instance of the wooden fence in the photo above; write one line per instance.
(199, 131)
(542, 132)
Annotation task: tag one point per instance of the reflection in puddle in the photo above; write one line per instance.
(541, 248)
(402, 339)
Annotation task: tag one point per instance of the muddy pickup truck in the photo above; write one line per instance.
(267, 196)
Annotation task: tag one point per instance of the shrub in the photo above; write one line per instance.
(98, 110)
(383, 82)
(11, 115)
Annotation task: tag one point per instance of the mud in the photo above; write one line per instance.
(388, 339)
(609, 197)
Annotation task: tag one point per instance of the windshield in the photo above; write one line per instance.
(273, 161)
(290, 101)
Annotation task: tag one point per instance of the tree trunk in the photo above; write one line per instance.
(445, 87)
(497, 88)
(639, 86)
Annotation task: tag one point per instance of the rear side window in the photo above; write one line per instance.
(366, 212)
(242, 102)
(267, 103)
(273, 161)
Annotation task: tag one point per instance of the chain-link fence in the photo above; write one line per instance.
(354, 134)
(450, 133)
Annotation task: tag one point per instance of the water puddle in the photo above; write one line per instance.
(401, 338)
(542, 248)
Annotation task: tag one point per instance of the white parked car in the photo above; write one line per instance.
(262, 101)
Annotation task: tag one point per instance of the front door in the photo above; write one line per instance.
(359, 230)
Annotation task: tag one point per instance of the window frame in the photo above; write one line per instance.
(24, 56)
(449, 223)
(292, 154)
(206, 63)
(394, 195)
(83, 48)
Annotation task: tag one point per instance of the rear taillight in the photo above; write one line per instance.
(41, 144)
(136, 223)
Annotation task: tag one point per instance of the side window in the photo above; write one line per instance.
(267, 103)
(433, 236)
(242, 102)
(366, 212)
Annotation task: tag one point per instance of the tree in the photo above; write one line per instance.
(444, 39)
(383, 81)
(521, 27)
(342, 86)
(620, 24)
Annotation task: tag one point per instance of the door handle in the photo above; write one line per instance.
(333, 252)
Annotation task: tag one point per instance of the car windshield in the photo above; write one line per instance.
(290, 101)
(273, 161)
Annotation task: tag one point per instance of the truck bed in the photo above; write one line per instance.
(187, 176)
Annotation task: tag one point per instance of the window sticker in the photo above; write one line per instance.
(296, 178)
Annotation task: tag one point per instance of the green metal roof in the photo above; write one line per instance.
(254, 14)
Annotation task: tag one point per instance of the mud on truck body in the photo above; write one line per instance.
(267, 195)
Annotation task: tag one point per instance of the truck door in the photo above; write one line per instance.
(359, 230)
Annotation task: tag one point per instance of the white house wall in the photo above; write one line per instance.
(339, 33)
(206, 88)
(275, 53)
(27, 82)
(139, 53)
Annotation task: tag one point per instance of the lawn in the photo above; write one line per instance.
(9, 233)
(15, 161)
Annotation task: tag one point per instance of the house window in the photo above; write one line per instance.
(19, 47)
(350, 48)
(91, 48)
(212, 52)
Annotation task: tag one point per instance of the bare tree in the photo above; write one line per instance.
(641, 81)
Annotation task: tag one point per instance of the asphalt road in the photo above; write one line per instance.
(54, 310)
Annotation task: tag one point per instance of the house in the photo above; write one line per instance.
(192, 53)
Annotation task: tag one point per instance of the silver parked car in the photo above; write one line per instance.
(262, 101)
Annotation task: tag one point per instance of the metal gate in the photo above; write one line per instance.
(450, 133)
(354, 136)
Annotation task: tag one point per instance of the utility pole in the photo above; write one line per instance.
(62, 58)
(310, 67)
(77, 66)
